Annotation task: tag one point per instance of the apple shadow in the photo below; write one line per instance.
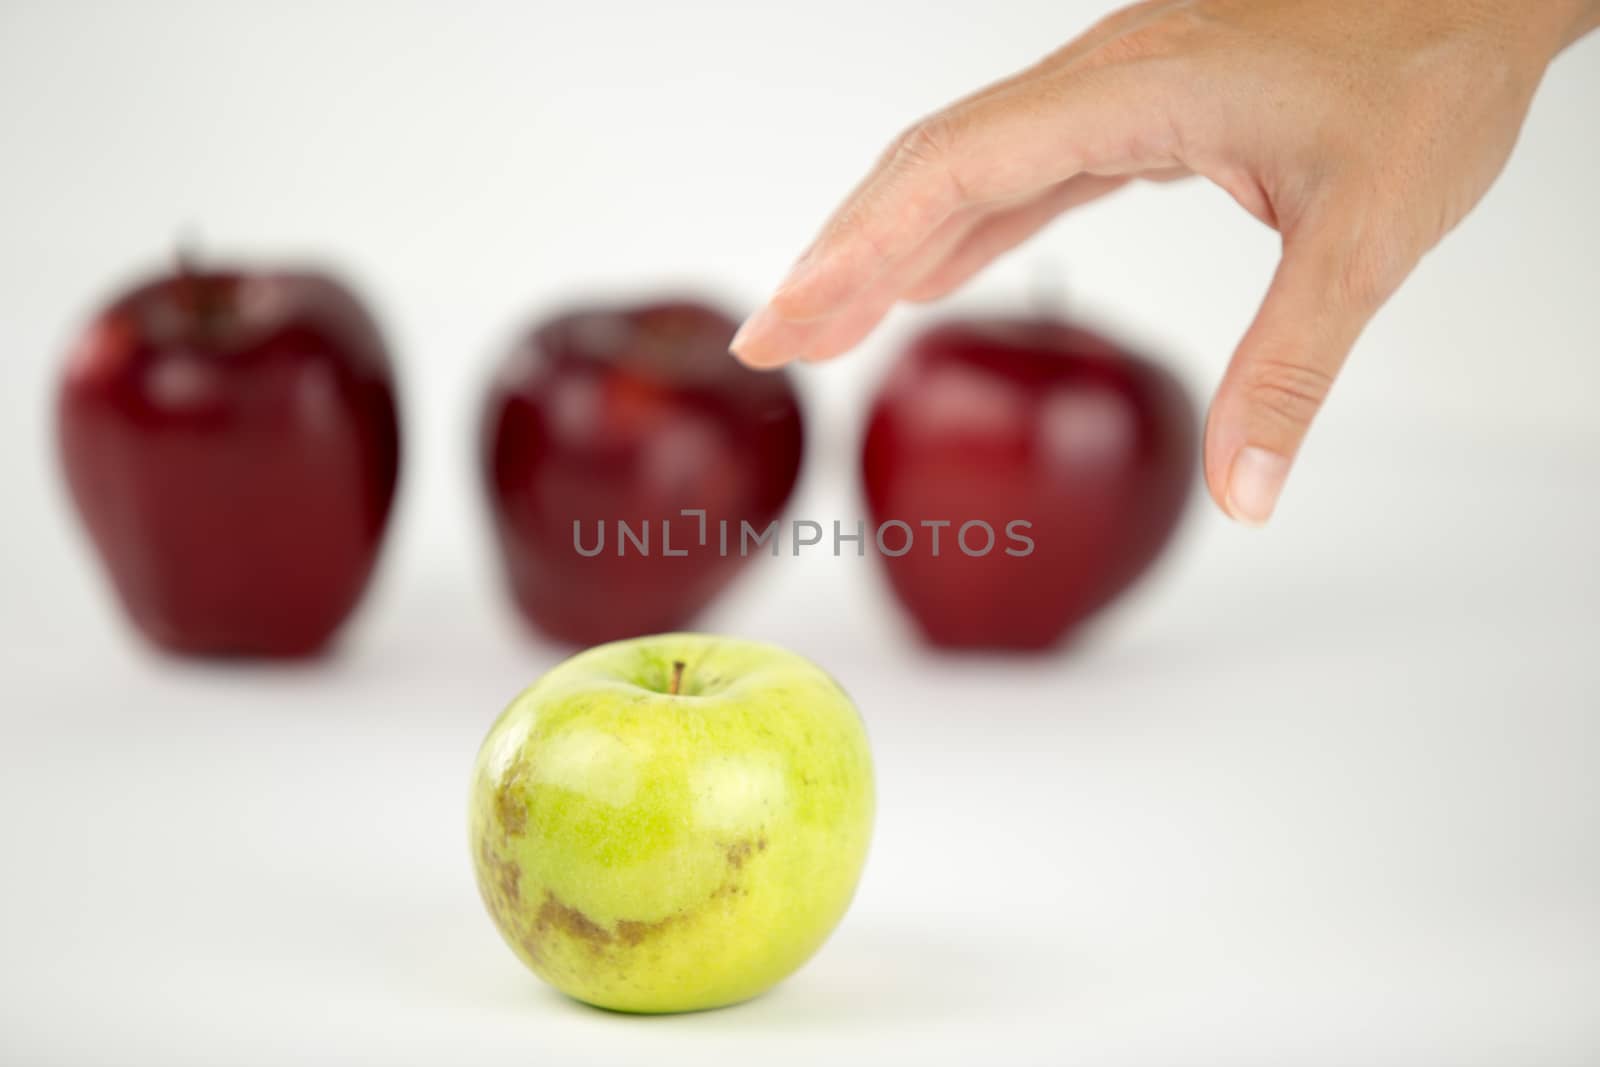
(889, 976)
(908, 976)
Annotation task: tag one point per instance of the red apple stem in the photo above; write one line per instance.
(677, 677)
(185, 265)
(186, 252)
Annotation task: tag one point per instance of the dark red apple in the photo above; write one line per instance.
(231, 443)
(1075, 456)
(612, 421)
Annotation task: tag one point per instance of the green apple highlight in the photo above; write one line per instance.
(672, 823)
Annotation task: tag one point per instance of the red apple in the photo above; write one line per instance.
(631, 416)
(231, 443)
(1075, 455)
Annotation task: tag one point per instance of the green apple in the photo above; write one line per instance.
(674, 822)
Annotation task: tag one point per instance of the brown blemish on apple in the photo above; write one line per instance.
(554, 915)
(500, 887)
(510, 808)
(631, 933)
(740, 851)
(532, 947)
(730, 888)
(500, 876)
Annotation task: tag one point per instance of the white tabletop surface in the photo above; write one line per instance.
(1297, 804)
(1324, 794)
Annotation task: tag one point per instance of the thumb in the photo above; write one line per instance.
(1329, 284)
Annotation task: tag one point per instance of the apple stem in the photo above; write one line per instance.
(186, 252)
(183, 263)
(677, 677)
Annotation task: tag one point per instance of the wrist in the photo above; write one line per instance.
(1586, 22)
(1543, 28)
(1570, 20)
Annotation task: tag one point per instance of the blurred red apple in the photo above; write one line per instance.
(1059, 463)
(230, 440)
(611, 422)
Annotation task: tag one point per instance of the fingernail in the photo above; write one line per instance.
(1254, 484)
(752, 329)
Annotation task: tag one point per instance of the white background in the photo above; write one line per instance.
(1323, 794)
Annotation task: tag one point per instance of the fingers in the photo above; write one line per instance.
(1010, 144)
(1327, 288)
(1003, 230)
(823, 338)
(961, 246)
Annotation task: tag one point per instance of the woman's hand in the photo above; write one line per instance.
(1361, 130)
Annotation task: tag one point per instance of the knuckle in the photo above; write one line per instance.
(1120, 20)
(933, 147)
(1161, 38)
(1288, 394)
(929, 141)
(1123, 48)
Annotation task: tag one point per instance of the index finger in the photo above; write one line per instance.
(997, 146)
